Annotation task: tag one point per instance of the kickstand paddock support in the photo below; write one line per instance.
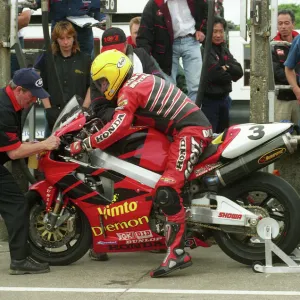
(291, 265)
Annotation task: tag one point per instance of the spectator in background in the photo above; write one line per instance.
(286, 105)
(219, 8)
(73, 69)
(134, 26)
(23, 21)
(222, 70)
(171, 30)
(292, 67)
(60, 10)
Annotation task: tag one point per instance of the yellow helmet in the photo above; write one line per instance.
(114, 66)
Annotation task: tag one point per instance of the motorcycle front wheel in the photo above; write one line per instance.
(279, 200)
(63, 245)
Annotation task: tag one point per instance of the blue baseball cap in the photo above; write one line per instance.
(29, 79)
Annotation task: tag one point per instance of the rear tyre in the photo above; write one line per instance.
(280, 201)
(61, 246)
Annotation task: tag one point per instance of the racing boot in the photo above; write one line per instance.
(101, 256)
(176, 257)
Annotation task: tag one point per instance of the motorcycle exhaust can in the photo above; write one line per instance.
(257, 159)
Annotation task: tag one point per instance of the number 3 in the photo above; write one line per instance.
(258, 132)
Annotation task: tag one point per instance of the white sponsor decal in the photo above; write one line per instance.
(125, 236)
(39, 82)
(206, 169)
(121, 62)
(107, 243)
(196, 151)
(114, 126)
(207, 133)
(182, 154)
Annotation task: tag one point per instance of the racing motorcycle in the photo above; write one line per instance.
(104, 199)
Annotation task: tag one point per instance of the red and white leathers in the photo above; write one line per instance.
(156, 103)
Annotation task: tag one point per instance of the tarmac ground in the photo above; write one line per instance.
(125, 276)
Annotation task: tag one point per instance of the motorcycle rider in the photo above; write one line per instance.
(161, 105)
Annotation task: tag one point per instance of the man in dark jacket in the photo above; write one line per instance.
(173, 29)
(223, 69)
(286, 105)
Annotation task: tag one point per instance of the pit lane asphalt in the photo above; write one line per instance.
(126, 276)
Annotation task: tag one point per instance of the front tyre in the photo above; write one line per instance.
(63, 245)
(282, 203)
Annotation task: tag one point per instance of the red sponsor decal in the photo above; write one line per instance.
(230, 216)
(12, 136)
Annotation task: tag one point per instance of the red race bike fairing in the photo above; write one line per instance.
(105, 199)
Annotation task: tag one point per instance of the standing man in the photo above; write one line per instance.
(60, 10)
(134, 26)
(24, 89)
(222, 70)
(286, 106)
(173, 29)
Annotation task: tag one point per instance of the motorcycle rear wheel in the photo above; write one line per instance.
(282, 203)
(61, 246)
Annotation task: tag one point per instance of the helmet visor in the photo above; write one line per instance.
(102, 84)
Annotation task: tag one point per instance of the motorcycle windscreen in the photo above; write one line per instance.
(69, 113)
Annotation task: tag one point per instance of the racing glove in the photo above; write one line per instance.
(76, 148)
(80, 146)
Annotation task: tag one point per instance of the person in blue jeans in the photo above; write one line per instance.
(171, 30)
(222, 70)
(60, 10)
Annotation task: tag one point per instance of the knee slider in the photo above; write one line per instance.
(168, 200)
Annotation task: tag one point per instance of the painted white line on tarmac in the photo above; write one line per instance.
(149, 291)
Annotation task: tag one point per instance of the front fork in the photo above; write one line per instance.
(58, 215)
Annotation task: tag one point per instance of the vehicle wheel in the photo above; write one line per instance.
(63, 245)
(281, 202)
(255, 264)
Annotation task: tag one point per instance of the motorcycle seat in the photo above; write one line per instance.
(208, 151)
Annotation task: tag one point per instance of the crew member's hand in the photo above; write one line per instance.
(76, 148)
(200, 36)
(296, 91)
(52, 142)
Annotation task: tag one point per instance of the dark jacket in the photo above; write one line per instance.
(10, 124)
(280, 53)
(105, 109)
(219, 83)
(73, 73)
(156, 31)
(59, 10)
